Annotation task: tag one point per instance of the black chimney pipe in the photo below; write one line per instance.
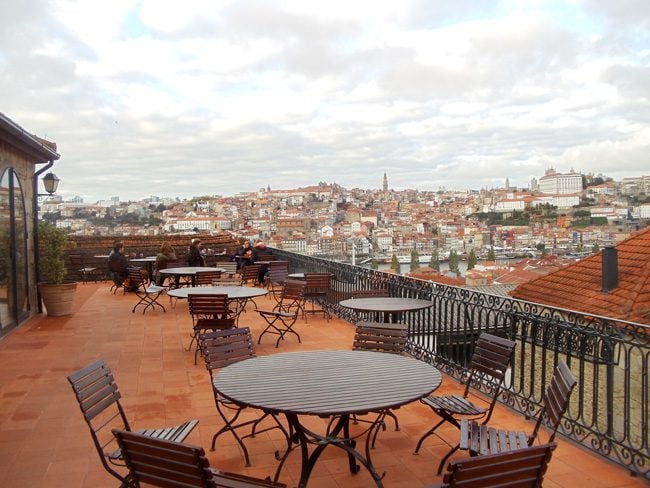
(610, 268)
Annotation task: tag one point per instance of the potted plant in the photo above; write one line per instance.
(56, 292)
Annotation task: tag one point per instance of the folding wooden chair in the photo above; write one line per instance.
(209, 311)
(480, 439)
(99, 400)
(524, 468)
(221, 348)
(175, 465)
(281, 319)
(250, 274)
(205, 278)
(148, 294)
(82, 271)
(317, 286)
(277, 274)
(380, 337)
(490, 361)
(229, 268)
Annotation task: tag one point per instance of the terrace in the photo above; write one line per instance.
(44, 440)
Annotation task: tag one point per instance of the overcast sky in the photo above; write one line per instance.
(195, 97)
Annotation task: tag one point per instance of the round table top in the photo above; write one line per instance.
(188, 270)
(148, 259)
(298, 276)
(327, 382)
(232, 291)
(386, 304)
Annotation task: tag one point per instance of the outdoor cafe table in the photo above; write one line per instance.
(389, 306)
(186, 271)
(327, 383)
(239, 294)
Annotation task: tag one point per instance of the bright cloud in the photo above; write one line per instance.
(216, 97)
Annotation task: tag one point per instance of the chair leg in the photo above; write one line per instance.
(427, 434)
(444, 459)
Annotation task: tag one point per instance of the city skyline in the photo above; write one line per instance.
(152, 98)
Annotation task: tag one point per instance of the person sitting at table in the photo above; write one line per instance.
(165, 255)
(243, 254)
(118, 265)
(259, 250)
(195, 258)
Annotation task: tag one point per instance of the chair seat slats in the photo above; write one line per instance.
(454, 403)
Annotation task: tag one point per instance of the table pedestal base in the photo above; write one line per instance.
(303, 437)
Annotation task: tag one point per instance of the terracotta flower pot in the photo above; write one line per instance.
(58, 299)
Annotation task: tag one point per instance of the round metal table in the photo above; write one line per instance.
(386, 305)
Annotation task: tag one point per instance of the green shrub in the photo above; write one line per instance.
(52, 247)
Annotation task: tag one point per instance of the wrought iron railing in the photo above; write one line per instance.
(610, 407)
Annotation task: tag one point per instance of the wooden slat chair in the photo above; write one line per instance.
(174, 465)
(221, 348)
(115, 270)
(317, 286)
(82, 271)
(148, 294)
(281, 319)
(380, 337)
(250, 274)
(277, 274)
(490, 361)
(480, 439)
(524, 468)
(99, 400)
(229, 268)
(209, 312)
(205, 278)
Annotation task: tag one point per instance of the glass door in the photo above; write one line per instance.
(14, 283)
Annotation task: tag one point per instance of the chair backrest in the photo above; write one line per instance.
(491, 357)
(520, 468)
(99, 401)
(371, 293)
(250, 273)
(206, 277)
(179, 263)
(223, 347)
(381, 337)
(278, 271)
(136, 279)
(292, 295)
(556, 399)
(208, 304)
(163, 463)
(228, 267)
(176, 465)
(317, 283)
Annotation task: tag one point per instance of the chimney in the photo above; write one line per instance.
(609, 269)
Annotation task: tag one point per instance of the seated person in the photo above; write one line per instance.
(165, 255)
(195, 258)
(259, 250)
(243, 254)
(118, 264)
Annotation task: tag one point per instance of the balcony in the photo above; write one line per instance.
(44, 440)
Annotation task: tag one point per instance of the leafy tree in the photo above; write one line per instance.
(471, 260)
(394, 264)
(435, 260)
(374, 264)
(453, 261)
(491, 254)
(595, 248)
(415, 259)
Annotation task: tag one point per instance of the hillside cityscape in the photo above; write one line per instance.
(561, 214)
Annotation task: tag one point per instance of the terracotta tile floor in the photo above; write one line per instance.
(45, 442)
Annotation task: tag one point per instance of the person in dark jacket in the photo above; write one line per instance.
(243, 254)
(118, 264)
(195, 258)
(259, 250)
